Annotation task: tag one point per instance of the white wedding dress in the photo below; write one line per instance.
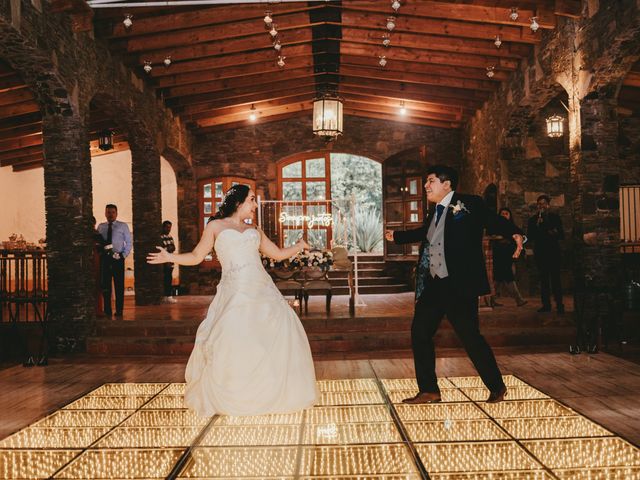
(251, 354)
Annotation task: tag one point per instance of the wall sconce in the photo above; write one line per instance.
(555, 126)
(105, 140)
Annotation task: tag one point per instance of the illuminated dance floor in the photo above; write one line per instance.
(359, 430)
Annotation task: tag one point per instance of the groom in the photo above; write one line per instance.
(450, 276)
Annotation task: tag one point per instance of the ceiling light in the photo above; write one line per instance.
(513, 16)
(277, 45)
(498, 41)
(327, 116)
(268, 20)
(383, 61)
(252, 115)
(127, 22)
(391, 23)
(386, 41)
(555, 126)
(534, 24)
(395, 4)
(490, 71)
(273, 32)
(280, 61)
(403, 110)
(147, 66)
(167, 60)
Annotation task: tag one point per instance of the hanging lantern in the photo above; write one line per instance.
(327, 117)
(105, 140)
(555, 126)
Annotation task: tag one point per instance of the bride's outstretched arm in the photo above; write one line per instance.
(271, 250)
(192, 258)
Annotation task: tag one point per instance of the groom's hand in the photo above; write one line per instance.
(388, 234)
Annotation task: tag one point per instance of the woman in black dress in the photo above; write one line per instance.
(503, 267)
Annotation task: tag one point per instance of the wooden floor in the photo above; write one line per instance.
(601, 387)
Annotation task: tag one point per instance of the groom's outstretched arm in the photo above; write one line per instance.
(407, 236)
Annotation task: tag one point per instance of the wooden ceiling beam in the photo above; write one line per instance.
(398, 94)
(246, 100)
(451, 112)
(20, 143)
(16, 96)
(426, 56)
(256, 124)
(449, 27)
(20, 131)
(284, 75)
(412, 88)
(172, 21)
(425, 68)
(219, 33)
(498, 15)
(435, 42)
(20, 121)
(245, 110)
(29, 106)
(230, 60)
(357, 104)
(11, 82)
(260, 68)
(418, 78)
(5, 156)
(632, 79)
(238, 92)
(395, 118)
(292, 107)
(24, 160)
(223, 47)
(28, 166)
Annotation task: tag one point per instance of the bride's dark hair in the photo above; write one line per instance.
(234, 197)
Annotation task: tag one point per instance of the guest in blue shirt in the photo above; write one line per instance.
(117, 247)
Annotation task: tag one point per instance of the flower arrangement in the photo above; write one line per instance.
(309, 259)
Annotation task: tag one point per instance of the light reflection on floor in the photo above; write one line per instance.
(359, 429)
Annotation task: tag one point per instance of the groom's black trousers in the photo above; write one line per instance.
(441, 298)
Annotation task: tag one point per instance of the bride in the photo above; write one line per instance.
(251, 354)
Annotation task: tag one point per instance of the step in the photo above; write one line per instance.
(343, 282)
(373, 289)
(368, 272)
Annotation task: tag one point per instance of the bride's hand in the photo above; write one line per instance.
(304, 245)
(158, 257)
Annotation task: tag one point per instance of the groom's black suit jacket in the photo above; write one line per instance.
(462, 243)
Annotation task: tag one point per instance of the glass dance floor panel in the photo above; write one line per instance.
(359, 429)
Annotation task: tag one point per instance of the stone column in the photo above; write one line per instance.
(147, 221)
(68, 204)
(595, 169)
(188, 216)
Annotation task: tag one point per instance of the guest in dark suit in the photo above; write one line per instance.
(503, 267)
(451, 274)
(117, 247)
(545, 231)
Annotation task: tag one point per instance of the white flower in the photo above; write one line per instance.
(458, 207)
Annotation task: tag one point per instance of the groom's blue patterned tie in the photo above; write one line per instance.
(439, 210)
(422, 270)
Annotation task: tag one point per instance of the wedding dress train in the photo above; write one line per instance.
(251, 353)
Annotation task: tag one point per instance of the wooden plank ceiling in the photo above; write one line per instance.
(223, 61)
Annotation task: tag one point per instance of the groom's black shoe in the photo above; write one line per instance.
(424, 397)
(495, 397)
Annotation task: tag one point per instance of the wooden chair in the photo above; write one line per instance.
(316, 283)
(285, 281)
(342, 263)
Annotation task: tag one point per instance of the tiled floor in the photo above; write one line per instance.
(358, 429)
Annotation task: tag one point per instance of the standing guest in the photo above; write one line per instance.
(117, 247)
(503, 261)
(545, 231)
(167, 268)
(98, 248)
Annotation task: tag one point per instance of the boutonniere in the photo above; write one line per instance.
(459, 209)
